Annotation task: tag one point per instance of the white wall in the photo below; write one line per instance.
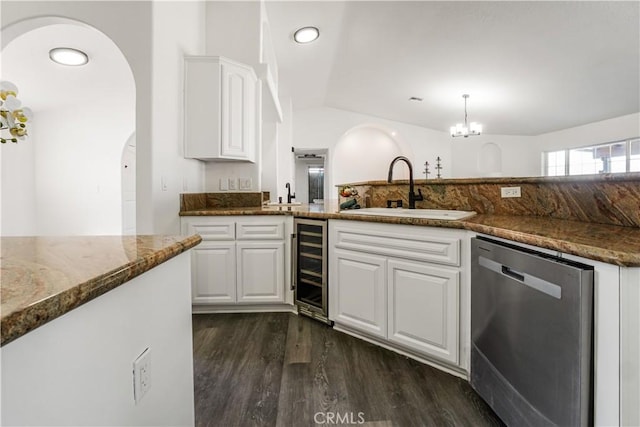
(615, 129)
(77, 169)
(520, 156)
(285, 156)
(77, 369)
(324, 127)
(169, 165)
(364, 153)
(270, 160)
(17, 189)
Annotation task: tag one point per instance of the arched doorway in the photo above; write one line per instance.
(82, 118)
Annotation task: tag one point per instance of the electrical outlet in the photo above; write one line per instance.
(141, 375)
(245, 183)
(510, 192)
(224, 184)
(233, 184)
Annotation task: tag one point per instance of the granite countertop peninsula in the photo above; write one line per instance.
(611, 244)
(46, 277)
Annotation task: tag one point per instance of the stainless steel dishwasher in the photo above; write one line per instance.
(531, 335)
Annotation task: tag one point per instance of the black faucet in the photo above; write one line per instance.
(412, 196)
(289, 195)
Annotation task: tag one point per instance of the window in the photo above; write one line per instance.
(611, 157)
(634, 155)
(556, 163)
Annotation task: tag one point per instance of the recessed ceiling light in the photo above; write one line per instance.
(306, 34)
(68, 56)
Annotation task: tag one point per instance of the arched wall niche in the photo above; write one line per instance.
(490, 160)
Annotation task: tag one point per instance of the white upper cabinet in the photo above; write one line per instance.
(220, 109)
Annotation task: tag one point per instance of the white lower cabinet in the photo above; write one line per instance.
(423, 308)
(213, 271)
(361, 303)
(240, 261)
(260, 271)
(400, 285)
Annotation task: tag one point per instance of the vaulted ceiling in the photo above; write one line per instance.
(529, 67)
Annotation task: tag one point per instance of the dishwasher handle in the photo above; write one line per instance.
(507, 271)
(526, 279)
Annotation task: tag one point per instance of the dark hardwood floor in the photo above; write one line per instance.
(279, 369)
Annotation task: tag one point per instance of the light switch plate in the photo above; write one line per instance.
(224, 184)
(233, 184)
(245, 183)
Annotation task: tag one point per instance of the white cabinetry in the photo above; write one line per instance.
(616, 343)
(220, 109)
(241, 260)
(260, 271)
(213, 270)
(400, 285)
(360, 301)
(423, 308)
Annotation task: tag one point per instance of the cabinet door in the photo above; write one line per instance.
(260, 271)
(423, 308)
(237, 112)
(358, 291)
(213, 273)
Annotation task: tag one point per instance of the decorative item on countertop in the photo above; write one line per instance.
(349, 204)
(13, 117)
(438, 167)
(426, 170)
(348, 191)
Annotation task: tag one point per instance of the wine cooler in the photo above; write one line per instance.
(309, 281)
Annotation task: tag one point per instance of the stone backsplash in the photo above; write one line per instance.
(195, 201)
(605, 199)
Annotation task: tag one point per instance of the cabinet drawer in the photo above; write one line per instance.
(415, 246)
(224, 231)
(260, 231)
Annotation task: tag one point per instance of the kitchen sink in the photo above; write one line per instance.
(440, 214)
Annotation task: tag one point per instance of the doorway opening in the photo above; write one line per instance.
(310, 178)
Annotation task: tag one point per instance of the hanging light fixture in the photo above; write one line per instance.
(463, 129)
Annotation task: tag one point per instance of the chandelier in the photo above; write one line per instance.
(463, 129)
(13, 117)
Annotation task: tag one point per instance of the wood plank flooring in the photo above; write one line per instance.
(279, 369)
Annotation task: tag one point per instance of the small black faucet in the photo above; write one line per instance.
(289, 195)
(412, 196)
